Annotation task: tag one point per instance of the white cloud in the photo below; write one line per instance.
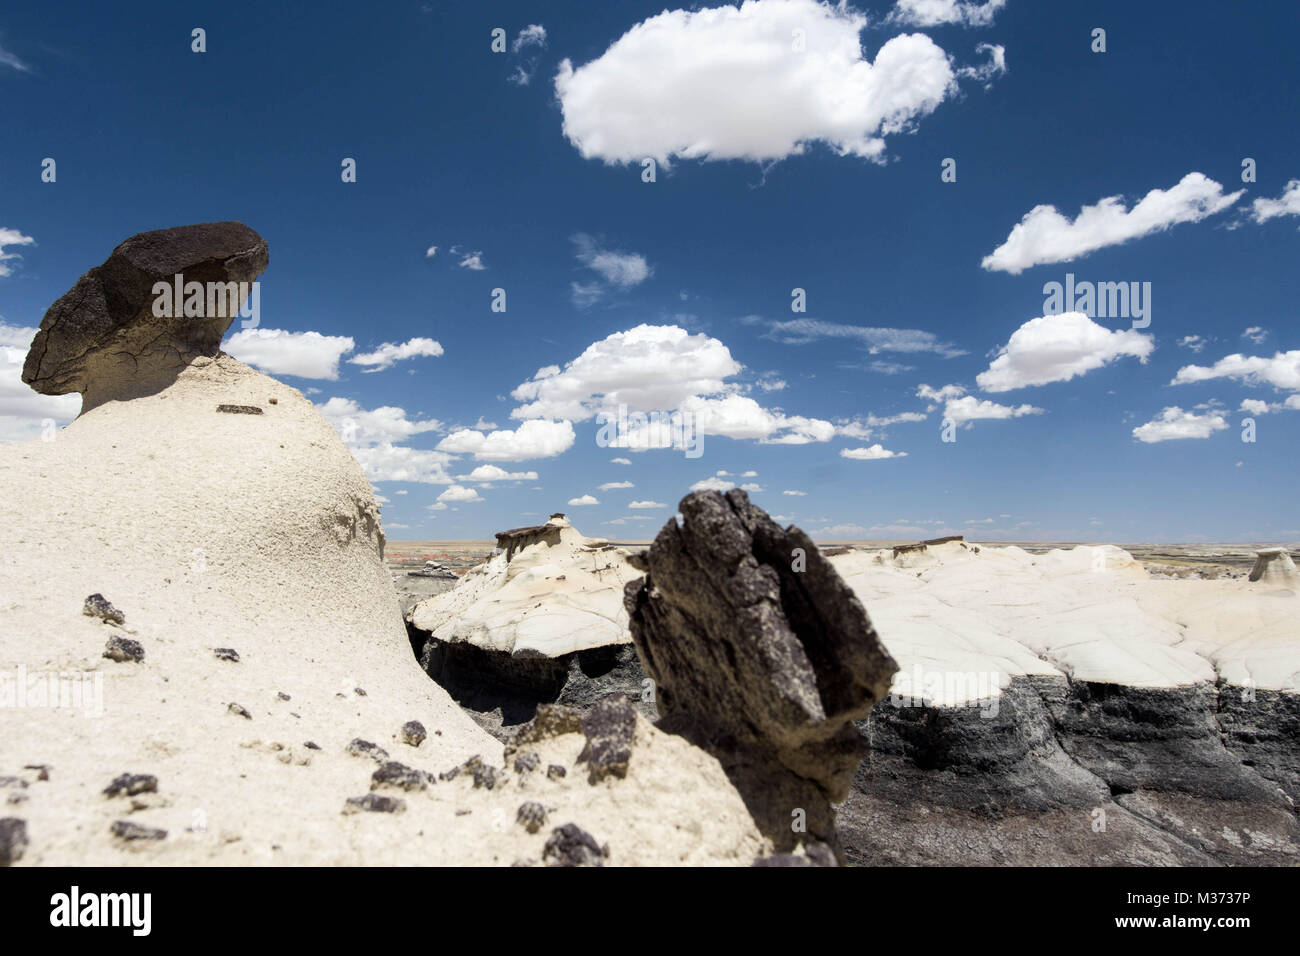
(871, 453)
(584, 501)
(874, 340)
(537, 438)
(934, 13)
(1175, 423)
(532, 35)
(647, 504)
(430, 252)
(8, 59)
(1256, 334)
(936, 395)
(472, 261)
(969, 408)
(1280, 371)
(840, 531)
(489, 473)
(612, 485)
(11, 237)
(752, 487)
(1255, 406)
(23, 411)
(277, 352)
(798, 494)
(991, 69)
(1288, 204)
(661, 368)
(388, 353)
(729, 83)
(360, 427)
(1193, 342)
(388, 462)
(620, 269)
(620, 461)
(863, 427)
(459, 494)
(1057, 348)
(1045, 236)
(713, 484)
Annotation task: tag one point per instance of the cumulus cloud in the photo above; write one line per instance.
(647, 504)
(1288, 204)
(388, 353)
(1255, 334)
(1280, 371)
(874, 340)
(969, 409)
(620, 461)
(1057, 348)
(1046, 236)
(430, 252)
(661, 368)
(756, 82)
(11, 237)
(386, 461)
(359, 426)
(537, 438)
(277, 352)
(991, 69)
(584, 501)
(1175, 423)
(871, 453)
(485, 474)
(472, 261)
(532, 35)
(938, 395)
(460, 495)
(23, 412)
(615, 270)
(864, 427)
(612, 485)
(937, 13)
(798, 494)
(1193, 342)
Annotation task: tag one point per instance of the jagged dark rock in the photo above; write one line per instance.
(394, 774)
(131, 832)
(123, 650)
(761, 654)
(570, 845)
(609, 727)
(226, 654)
(129, 784)
(103, 338)
(364, 748)
(413, 733)
(374, 803)
(98, 606)
(531, 816)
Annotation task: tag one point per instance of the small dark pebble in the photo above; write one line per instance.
(311, 746)
(374, 803)
(364, 748)
(282, 695)
(360, 692)
(413, 733)
(239, 711)
(226, 654)
(129, 784)
(13, 840)
(527, 763)
(133, 831)
(123, 650)
(98, 606)
(531, 816)
(42, 770)
(555, 772)
(570, 845)
(394, 774)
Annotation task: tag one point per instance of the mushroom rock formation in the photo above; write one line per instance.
(542, 621)
(1274, 566)
(761, 654)
(118, 333)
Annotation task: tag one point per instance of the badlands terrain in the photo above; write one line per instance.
(210, 654)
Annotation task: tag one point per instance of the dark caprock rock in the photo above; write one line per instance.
(102, 338)
(761, 654)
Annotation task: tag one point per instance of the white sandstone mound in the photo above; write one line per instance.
(1274, 566)
(969, 617)
(550, 591)
(244, 552)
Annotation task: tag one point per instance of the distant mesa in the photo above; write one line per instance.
(104, 338)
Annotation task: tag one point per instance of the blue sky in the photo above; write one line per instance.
(796, 146)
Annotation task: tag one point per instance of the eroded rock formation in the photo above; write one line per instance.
(760, 653)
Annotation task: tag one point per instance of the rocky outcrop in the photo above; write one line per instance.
(514, 539)
(114, 336)
(1274, 566)
(760, 653)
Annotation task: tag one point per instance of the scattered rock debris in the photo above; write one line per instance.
(394, 774)
(226, 654)
(124, 650)
(239, 711)
(98, 606)
(240, 409)
(131, 832)
(129, 784)
(555, 772)
(374, 803)
(413, 733)
(570, 845)
(364, 748)
(531, 816)
(609, 727)
(527, 763)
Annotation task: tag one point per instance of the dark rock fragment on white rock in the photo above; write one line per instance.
(570, 845)
(364, 748)
(413, 733)
(133, 832)
(124, 650)
(374, 803)
(13, 840)
(96, 605)
(531, 816)
(130, 784)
